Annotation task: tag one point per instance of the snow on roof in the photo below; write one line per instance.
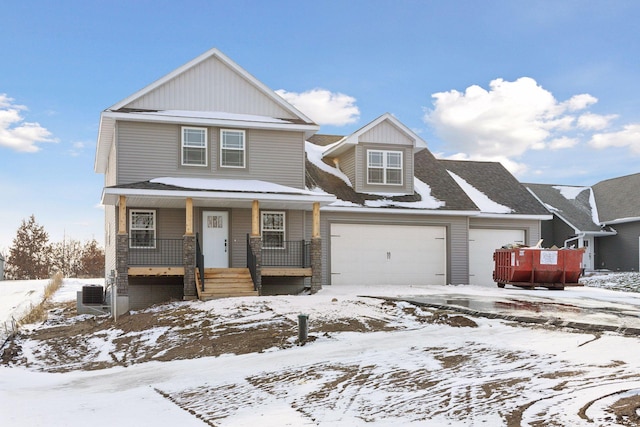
(479, 198)
(314, 155)
(213, 115)
(237, 185)
(571, 193)
(427, 202)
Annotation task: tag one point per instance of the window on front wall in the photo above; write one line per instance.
(194, 146)
(272, 226)
(384, 167)
(142, 228)
(232, 148)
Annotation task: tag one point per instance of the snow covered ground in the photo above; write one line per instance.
(368, 362)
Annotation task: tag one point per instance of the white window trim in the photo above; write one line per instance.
(284, 229)
(206, 146)
(155, 225)
(244, 148)
(385, 167)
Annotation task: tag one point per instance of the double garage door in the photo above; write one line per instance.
(372, 254)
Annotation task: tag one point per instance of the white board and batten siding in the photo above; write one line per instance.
(211, 86)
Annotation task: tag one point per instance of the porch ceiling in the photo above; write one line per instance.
(176, 198)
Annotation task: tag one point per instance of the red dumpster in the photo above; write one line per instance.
(535, 267)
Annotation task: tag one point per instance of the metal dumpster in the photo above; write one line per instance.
(535, 267)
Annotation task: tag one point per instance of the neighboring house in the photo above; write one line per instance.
(214, 186)
(604, 219)
(1, 267)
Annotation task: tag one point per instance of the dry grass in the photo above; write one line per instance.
(38, 313)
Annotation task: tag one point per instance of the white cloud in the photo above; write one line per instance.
(77, 148)
(507, 120)
(590, 121)
(628, 137)
(512, 166)
(324, 107)
(17, 134)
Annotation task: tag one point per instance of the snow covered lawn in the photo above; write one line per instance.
(369, 361)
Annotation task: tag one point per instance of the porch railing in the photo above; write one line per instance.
(252, 263)
(200, 260)
(293, 253)
(165, 252)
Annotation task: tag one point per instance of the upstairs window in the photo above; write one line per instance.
(194, 146)
(142, 228)
(272, 230)
(384, 167)
(232, 148)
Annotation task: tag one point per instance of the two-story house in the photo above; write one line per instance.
(216, 186)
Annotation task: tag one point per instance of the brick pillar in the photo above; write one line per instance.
(255, 242)
(122, 264)
(189, 262)
(316, 264)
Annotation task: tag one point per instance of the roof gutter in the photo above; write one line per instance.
(408, 211)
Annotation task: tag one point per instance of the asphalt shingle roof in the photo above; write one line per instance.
(618, 198)
(498, 184)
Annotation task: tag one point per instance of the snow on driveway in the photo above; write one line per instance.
(416, 370)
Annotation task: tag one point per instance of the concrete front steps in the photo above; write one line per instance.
(225, 283)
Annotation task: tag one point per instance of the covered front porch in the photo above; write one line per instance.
(230, 243)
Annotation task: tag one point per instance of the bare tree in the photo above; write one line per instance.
(66, 257)
(30, 254)
(92, 260)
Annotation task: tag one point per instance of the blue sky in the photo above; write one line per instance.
(547, 87)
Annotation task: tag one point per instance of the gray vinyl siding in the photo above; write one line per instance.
(619, 252)
(385, 133)
(151, 150)
(361, 170)
(240, 226)
(347, 162)
(531, 227)
(555, 232)
(211, 86)
(457, 238)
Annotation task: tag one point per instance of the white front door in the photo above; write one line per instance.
(587, 257)
(215, 239)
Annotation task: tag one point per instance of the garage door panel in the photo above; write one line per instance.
(387, 254)
(482, 244)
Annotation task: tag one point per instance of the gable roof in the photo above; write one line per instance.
(573, 205)
(185, 96)
(497, 184)
(618, 199)
(353, 139)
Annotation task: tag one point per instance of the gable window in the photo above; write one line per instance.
(384, 167)
(194, 146)
(142, 228)
(272, 225)
(232, 148)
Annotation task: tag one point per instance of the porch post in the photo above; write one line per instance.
(189, 217)
(189, 254)
(122, 250)
(316, 251)
(255, 242)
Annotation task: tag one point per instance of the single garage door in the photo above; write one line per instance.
(364, 254)
(482, 244)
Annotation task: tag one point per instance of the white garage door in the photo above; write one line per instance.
(482, 244)
(387, 255)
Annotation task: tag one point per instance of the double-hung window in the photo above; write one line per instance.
(272, 225)
(194, 146)
(232, 148)
(384, 167)
(142, 228)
